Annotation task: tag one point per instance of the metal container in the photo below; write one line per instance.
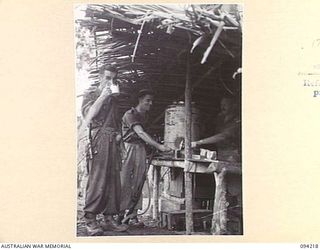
(175, 127)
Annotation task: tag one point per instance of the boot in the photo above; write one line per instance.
(120, 217)
(135, 222)
(132, 218)
(109, 224)
(92, 226)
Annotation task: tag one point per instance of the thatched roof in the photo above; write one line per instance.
(149, 45)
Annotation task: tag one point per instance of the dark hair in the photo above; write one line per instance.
(107, 67)
(144, 92)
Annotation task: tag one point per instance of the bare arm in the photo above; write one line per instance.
(96, 106)
(209, 140)
(147, 138)
(215, 138)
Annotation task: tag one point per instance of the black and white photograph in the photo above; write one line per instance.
(158, 109)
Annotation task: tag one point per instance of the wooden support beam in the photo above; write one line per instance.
(201, 166)
(193, 168)
(219, 218)
(155, 193)
(188, 153)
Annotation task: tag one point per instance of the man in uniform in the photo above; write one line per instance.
(227, 138)
(100, 113)
(134, 168)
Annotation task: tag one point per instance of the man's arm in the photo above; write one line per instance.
(228, 132)
(148, 139)
(209, 140)
(96, 106)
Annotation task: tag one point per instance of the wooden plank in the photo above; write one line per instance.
(193, 211)
(198, 166)
(172, 198)
(188, 153)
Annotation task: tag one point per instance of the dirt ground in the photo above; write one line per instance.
(148, 227)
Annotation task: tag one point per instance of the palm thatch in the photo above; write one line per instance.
(149, 45)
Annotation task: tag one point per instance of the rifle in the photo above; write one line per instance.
(90, 153)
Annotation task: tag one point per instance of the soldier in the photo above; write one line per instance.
(100, 113)
(135, 137)
(227, 137)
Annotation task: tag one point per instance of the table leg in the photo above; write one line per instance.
(155, 193)
(219, 219)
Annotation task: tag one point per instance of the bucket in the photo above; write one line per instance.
(175, 127)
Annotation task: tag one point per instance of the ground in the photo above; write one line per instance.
(149, 227)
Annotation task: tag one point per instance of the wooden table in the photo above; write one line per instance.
(216, 167)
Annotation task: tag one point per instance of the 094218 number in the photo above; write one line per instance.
(309, 245)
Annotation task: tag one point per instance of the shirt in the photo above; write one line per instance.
(131, 118)
(230, 129)
(108, 114)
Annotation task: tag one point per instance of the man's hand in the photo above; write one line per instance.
(194, 144)
(96, 106)
(106, 91)
(164, 148)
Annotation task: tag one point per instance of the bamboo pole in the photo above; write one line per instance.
(188, 153)
(137, 42)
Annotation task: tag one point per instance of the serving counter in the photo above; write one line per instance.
(227, 176)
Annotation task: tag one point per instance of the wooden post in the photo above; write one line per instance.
(155, 193)
(188, 153)
(219, 219)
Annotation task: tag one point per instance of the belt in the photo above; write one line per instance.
(112, 132)
(109, 130)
